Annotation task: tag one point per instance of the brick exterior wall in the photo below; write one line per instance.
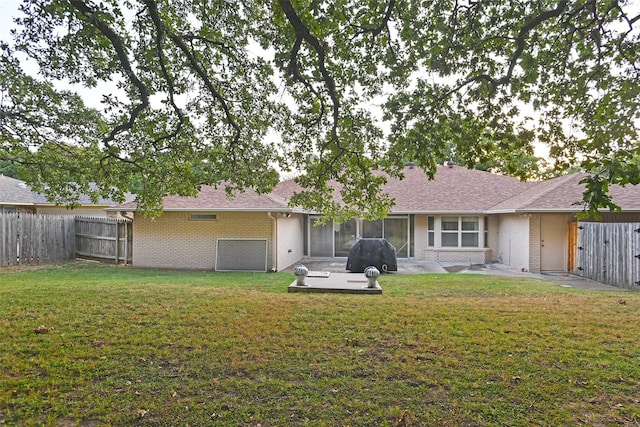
(494, 236)
(534, 243)
(462, 255)
(174, 241)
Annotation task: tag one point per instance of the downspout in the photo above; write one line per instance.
(274, 243)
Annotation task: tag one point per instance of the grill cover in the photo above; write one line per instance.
(376, 252)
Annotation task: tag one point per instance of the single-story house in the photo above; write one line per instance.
(17, 196)
(466, 216)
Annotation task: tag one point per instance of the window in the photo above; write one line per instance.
(450, 231)
(431, 231)
(203, 217)
(486, 231)
(470, 228)
(372, 229)
(463, 231)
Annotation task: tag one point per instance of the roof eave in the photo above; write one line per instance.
(273, 209)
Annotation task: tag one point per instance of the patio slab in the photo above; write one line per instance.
(336, 283)
(337, 266)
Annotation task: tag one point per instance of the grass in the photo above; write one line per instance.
(97, 345)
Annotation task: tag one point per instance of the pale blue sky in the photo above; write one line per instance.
(8, 9)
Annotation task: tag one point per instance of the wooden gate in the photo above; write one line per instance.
(104, 239)
(609, 253)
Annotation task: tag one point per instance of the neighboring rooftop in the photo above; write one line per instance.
(16, 192)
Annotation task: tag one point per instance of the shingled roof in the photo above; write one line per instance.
(454, 189)
(216, 198)
(15, 192)
(565, 194)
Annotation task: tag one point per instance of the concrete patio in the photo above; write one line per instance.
(331, 276)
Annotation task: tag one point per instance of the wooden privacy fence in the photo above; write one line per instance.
(609, 253)
(104, 239)
(36, 239)
(40, 239)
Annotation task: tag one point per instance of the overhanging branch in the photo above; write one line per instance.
(303, 33)
(91, 16)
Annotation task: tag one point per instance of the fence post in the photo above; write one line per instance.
(126, 243)
(117, 257)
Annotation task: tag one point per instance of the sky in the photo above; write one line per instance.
(8, 9)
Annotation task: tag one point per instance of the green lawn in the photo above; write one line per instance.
(91, 345)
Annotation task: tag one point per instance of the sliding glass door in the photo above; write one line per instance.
(396, 231)
(345, 235)
(320, 238)
(335, 240)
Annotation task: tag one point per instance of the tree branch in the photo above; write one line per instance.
(92, 16)
(160, 30)
(524, 32)
(201, 72)
(303, 33)
(521, 41)
(375, 32)
(223, 46)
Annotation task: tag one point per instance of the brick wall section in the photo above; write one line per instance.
(461, 255)
(173, 241)
(534, 243)
(494, 236)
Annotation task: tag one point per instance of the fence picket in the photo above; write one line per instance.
(609, 253)
(103, 238)
(38, 239)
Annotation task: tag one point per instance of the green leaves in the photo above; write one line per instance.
(188, 93)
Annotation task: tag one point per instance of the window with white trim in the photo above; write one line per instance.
(486, 231)
(460, 231)
(431, 231)
(470, 228)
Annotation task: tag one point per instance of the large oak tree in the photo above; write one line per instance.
(175, 94)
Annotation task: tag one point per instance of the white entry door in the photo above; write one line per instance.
(553, 242)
